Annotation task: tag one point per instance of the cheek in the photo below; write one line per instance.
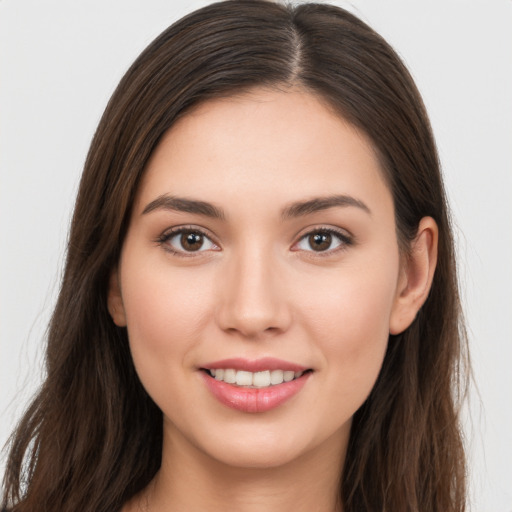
(165, 312)
(353, 300)
(351, 325)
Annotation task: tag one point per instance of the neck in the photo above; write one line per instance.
(189, 479)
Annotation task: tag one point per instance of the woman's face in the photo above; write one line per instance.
(262, 244)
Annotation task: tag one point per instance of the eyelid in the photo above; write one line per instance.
(169, 233)
(345, 237)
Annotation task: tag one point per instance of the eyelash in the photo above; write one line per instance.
(164, 238)
(344, 239)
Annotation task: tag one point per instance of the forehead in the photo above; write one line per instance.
(266, 145)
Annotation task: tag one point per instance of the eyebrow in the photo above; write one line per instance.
(300, 208)
(182, 204)
(293, 210)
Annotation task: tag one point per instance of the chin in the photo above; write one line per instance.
(256, 457)
(261, 448)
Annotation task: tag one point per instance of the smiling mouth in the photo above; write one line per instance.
(254, 386)
(254, 380)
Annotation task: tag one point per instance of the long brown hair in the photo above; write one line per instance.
(92, 437)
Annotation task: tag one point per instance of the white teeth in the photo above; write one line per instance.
(243, 378)
(262, 379)
(288, 376)
(229, 376)
(276, 377)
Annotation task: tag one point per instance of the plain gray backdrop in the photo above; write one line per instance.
(61, 60)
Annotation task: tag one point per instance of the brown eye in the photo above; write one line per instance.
(320, 241)
(323, 240)
(185, 241)
(191, 241)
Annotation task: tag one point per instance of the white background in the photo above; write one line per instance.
(59, 63)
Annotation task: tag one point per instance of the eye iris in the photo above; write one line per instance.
(191, 241)
(320, 241)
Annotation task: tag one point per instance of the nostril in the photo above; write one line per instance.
(250, 309)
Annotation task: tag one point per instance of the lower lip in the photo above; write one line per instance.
(254, 399)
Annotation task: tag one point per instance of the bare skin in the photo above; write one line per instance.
(246, 489)
(294, 257)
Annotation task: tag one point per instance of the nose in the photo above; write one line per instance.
(254, 301)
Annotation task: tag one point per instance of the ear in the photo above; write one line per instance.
(115, 300)
(416, 276)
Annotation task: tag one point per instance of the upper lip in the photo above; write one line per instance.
(255, 365)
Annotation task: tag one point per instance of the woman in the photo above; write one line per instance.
(259, 308)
